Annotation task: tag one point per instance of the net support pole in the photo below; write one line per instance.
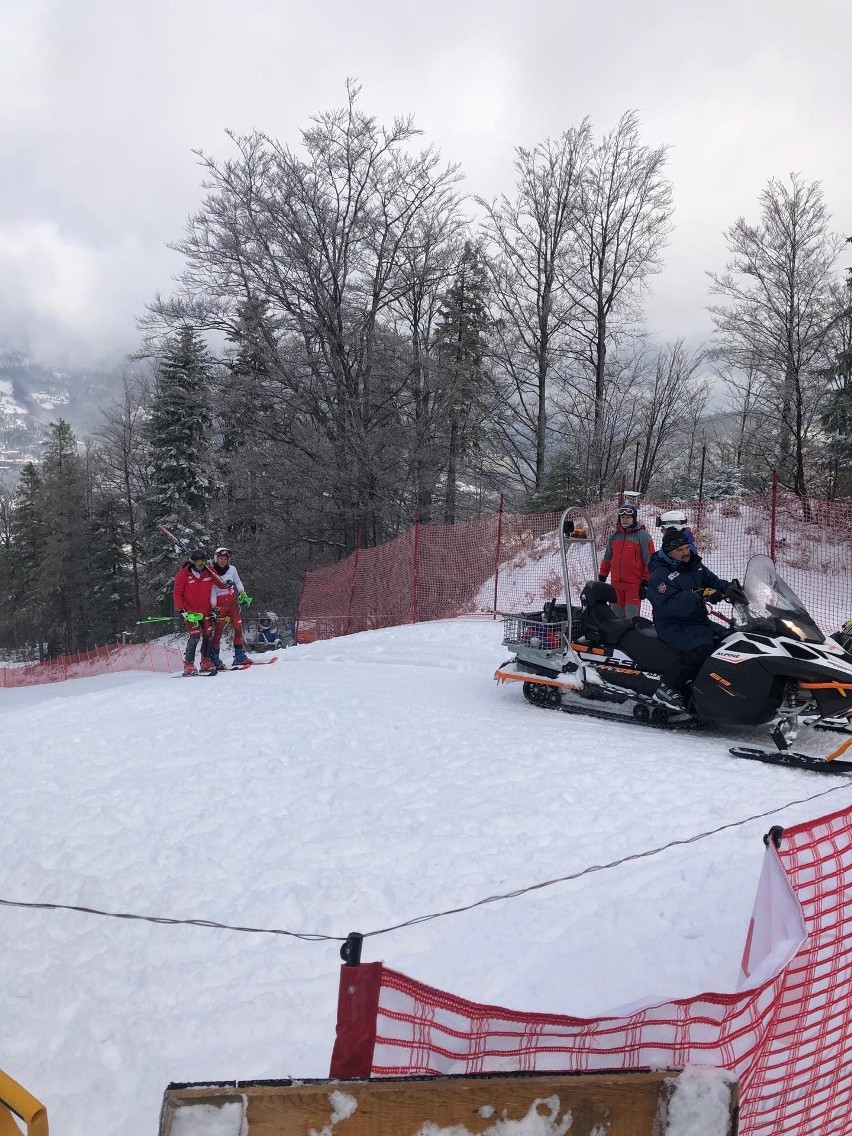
(415, 565)
(354, 583)
(301, 599)
(773, 510)
(357, 1008)
(497, 552)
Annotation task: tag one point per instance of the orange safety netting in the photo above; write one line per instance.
(98, 661)
(785, 1032)
(509, 562)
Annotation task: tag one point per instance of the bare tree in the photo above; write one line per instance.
(624, 223)
(325, 243)
(777, 315)
(667, 411)
(531, 239)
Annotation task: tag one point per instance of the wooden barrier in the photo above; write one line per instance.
(16, 1101)
(582, 1104)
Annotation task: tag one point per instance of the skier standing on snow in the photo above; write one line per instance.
(626, 559)
(193, 595)
(228, 596)
(679, 591)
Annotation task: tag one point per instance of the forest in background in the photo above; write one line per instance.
(352, 342)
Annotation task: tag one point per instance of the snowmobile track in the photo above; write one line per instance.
(787, 759)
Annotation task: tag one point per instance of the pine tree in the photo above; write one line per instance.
(63, 576)
(461, 341)
(28, 533)
(181, 454)
(112, 583)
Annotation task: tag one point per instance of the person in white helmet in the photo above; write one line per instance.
(229, 595)
(676, 519)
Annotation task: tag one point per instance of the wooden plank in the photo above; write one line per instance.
(618, 1104)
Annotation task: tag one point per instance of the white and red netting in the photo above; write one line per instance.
(785, 1032)
(96, 661)
(510, 562)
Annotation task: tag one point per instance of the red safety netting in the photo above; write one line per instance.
(98, 661)
(510, 562)
(784, 1032)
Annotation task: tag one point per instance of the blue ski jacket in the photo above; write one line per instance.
(679, 608)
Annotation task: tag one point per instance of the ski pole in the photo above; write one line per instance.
(154, 619)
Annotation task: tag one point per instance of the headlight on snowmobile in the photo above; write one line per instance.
(794, 627)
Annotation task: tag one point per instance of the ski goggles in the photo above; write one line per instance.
(223, 552)
(200, 563)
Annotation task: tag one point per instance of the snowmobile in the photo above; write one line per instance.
(773, 665)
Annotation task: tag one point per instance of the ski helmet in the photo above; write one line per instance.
(198, 554)
(674, 519)
(223, 552)
(628, 511)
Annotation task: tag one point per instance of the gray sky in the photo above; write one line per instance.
(102, 102)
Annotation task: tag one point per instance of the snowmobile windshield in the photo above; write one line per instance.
(772, 601)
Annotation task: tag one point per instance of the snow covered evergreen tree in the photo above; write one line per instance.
(28, 535)
(109, 564)
(181, 454)
(726, 482)
(63, 575)
(461, 341)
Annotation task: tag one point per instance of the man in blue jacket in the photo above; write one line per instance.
(679, 590)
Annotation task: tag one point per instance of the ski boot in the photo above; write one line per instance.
(241, 659)
(217, 662)
(207, 665)
(189, 669)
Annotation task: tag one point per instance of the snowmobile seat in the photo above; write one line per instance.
(647, 651)
(596, 597)
(636, 636)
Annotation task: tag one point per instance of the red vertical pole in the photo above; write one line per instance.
(301, 597)
(497, 553)
(415, 566)
(701, 474)
(636, 464)
(773, 510)
(354, 583)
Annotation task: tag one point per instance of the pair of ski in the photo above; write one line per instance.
(237, 667)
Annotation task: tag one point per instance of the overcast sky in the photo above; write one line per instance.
(103, 101)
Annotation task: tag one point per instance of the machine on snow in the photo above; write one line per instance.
(774, 667)
(267, 634)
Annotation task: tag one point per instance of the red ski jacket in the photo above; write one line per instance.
(193, 589)
(627, 554)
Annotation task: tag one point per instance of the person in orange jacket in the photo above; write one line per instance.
(193, 595)
(625, 560)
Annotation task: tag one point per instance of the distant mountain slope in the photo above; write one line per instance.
(32, 396)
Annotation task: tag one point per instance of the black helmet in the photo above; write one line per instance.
(198, 554)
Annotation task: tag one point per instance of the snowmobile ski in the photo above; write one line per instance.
(792, 760)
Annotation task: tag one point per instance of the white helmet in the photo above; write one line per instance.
(674, 519)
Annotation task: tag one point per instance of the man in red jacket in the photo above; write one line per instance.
(625, 561)
(193, 595)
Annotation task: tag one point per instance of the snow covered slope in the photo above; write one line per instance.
(359, 783)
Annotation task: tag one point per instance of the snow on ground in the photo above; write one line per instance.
(361, 782)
